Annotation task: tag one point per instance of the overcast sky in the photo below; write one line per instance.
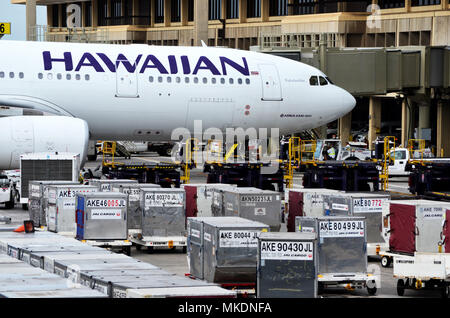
(15, 13)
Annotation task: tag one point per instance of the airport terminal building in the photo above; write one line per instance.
(407, 39)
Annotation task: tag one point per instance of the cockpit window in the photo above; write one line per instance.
(329, 81)
(313, 81)
(322, 81)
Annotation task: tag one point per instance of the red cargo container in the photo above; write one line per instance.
(446, 232)
(402, 221)
(295, 207)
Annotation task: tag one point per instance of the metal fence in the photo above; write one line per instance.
(84, 35)
(296, 40)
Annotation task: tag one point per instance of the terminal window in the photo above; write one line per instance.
(253, 8)
(425, 2)
(215, 9)
(278, 8)
(232, 9)
(388, 4)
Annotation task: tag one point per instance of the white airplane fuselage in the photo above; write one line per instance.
(140, 92)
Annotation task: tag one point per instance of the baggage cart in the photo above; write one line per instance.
(342, 251)
(254, 204)
(102, 216)
(182, 292)
(287, 265)
(60, 207)
(133, 190)
(224, 249)
(163, 219)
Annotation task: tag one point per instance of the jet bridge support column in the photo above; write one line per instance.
(201, 22)
(443, 129)
(345, 126)
(374, 120)
(30, 19)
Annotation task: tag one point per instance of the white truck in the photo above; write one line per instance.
(8, 192)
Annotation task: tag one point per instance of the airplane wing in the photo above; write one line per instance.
(29, 102)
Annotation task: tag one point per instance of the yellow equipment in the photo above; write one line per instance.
(190, 150)
(416, 145)
(384, 176)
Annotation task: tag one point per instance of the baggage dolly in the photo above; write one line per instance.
(150, 242)
(429, 271)
(123, 245)
(349, 281)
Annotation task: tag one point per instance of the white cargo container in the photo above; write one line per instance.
(47, 166)
(61, 206)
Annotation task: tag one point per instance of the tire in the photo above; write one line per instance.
(138, 247)
(9, 204)
(372, 291)
(24, 206)
(184, 249)
(400, 287)
(386, 261)
(150, 249)
(445, 291)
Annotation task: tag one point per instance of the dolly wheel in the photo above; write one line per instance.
(184, 249)
(138, 247)
(372, 291)
(150, 249)
(386, 261)
(445, 291)
(400, 287)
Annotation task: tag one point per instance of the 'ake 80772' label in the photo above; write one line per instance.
(276, 250)
(341, 228)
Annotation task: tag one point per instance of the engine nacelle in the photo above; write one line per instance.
(27, 134)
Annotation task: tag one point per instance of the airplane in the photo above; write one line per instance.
(141, 92)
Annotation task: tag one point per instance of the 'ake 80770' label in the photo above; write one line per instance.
(341, 228)
(287, 250)
(164, 199)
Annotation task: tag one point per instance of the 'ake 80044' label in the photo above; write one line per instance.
(341, 228)
(276, 250)
(238, 238)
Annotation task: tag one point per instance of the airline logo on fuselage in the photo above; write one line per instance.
(101, 62)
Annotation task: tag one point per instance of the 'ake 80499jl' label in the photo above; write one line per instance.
(276, 250)
(341, 228)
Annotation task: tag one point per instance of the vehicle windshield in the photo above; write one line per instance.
(399, 155)
(4, 182)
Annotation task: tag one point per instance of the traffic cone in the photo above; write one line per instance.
(20, 229)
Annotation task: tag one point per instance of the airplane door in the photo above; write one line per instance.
(271, 86)
(126, 82)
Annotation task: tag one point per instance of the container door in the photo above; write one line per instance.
(402, 221)
(429, 227)
(126, 82)
(271, 86)
(191, 201)
(295, 209)
(446, 232)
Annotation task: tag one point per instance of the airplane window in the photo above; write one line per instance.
(21, 75)
(186, 79)
(68, 77)
(11, 74)
(2, 74)
(86, 77)
(195, 80)
(231, 81)
(222, 80)
(247, 81)
(213, 80)
(150, 79)
(40, 75)
(160, 79)
(313, 81)
(329, 81)
(59, 76)
(322, 81)
(178, 79)
(239, 81)
(205, 80)
(77, 77)
(50, 76)
(169, 79)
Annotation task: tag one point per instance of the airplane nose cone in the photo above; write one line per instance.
(348, 102)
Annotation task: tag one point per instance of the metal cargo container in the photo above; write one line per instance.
(184, 292)
(341, 243)
(41, 258)
(102, 216)
(60, 293)
(223, 249)
(287, 265)
(371, 206)
(163, 212)
(119, 290)
(305, 202)
(199, 197)
(37, 199)
(106, 185)
(134, 201)
(416, 225)
(60, 207)
(254, 204)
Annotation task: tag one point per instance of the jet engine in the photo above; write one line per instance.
(27, 134)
